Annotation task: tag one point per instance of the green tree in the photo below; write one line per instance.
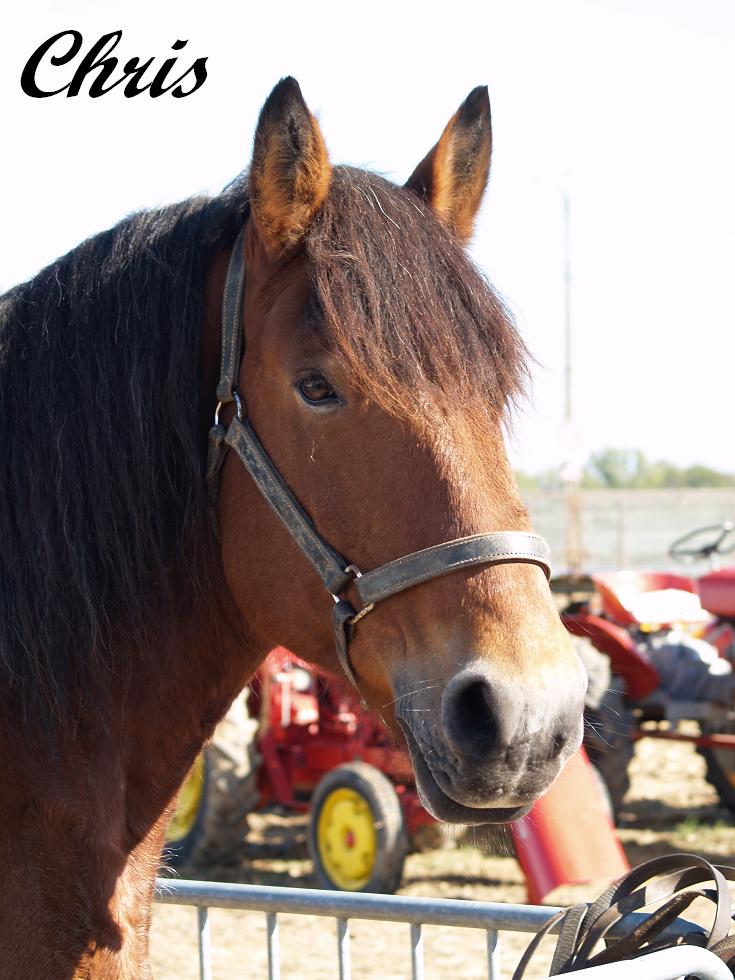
(705, 476)
(615, 468)
(626, 469)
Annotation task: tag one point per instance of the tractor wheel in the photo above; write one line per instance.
(210, 820)
(721, 763)
(357, 837)
(608, 723)
(608, 743)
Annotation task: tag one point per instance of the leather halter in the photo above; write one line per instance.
(335, 572)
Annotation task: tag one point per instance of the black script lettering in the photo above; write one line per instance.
(28, 77)
(157, 86)
(99, 51)
(200, 76)
(99, 59)
(134, 72)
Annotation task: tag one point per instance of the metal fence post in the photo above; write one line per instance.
(343, 949)
(493, 955)
(205, 945)
(274, 951)
(417, 952)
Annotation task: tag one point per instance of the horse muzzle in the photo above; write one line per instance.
(488, 747)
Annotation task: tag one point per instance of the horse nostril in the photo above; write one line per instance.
(558, 743)
(471, 722)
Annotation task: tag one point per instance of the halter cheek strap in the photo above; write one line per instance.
(493, 548)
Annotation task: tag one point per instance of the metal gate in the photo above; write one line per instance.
(491, 917)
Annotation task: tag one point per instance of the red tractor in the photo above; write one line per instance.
(670, 641)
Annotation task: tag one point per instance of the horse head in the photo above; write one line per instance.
(378, 365)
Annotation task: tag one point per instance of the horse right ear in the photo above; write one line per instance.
(290, 172)
(453, 175)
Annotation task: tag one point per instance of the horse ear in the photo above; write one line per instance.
(290, 170)
(453, 175)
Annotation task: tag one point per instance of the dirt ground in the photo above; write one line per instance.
(670, 807)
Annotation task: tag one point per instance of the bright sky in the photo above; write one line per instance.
(626, 104)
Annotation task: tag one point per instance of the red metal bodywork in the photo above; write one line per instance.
(568, 837)
(610, 586)
(717, 592)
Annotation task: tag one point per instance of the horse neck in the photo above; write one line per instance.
(90, 816)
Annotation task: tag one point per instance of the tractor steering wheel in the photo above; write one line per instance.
(714, 540)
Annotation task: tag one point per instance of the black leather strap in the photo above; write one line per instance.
(343, 616)
(231, 322)
(664, 882)
(493, 548)
(329, 565)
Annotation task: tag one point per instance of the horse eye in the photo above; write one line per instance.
(315, 389)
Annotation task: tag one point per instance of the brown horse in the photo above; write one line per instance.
(376, 370)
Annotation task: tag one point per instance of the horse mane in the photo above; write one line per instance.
(106, 542)
(103, 514)
(396, 298)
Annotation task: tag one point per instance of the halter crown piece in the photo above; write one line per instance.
(336, 573)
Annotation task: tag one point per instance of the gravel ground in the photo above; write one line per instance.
(670, 807)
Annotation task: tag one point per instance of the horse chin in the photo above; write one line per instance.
(443, 807)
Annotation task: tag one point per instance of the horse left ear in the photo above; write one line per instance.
(290, 171)
(453, 175)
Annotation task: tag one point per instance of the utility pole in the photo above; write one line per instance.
(567, 312)
(570, 473)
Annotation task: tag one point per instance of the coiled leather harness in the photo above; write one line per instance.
(335, 572)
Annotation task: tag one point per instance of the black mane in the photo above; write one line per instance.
(101, 486)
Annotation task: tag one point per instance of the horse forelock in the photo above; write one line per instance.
(414, 323)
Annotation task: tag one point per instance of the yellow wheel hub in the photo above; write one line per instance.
(190, 799)
(346, 839)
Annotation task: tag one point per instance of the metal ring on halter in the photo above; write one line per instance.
(238, 406)
(352, 570)
(356, 573)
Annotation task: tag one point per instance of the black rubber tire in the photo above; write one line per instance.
(607, 739)
(230, 793)
(720, 764)
(608, 723)
(391, 838)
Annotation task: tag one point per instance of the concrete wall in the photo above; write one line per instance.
(627, 528)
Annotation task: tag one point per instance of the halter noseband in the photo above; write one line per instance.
(494, 548)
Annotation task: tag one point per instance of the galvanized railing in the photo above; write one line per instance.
(416, 912)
